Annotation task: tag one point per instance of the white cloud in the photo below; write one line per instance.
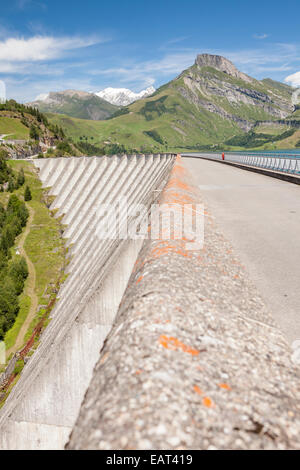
(39, 48)
(23, 89)
(145, 74)
(293, 79)
(259, 62)
(42, 63)
(261, 36)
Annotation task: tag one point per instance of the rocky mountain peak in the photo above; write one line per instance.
(222, 64)
(71, 93)
(123, 96)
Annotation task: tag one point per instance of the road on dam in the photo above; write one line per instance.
(260, 216)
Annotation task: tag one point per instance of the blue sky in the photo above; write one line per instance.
(89, 45)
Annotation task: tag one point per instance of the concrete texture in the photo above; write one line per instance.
(261, 218)
(42, 408)
(194, 359)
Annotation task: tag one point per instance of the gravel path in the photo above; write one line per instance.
(194, 360)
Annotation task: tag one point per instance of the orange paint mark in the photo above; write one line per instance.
(224, 386)
(198, 390)
(160, 321)
(166, 247)
(174, 344)
(138, 372)
(139, 279)
(168, 343)
(207, 402)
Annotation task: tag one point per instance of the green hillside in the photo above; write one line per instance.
(26, 131)
(284, 89)
(76, 128)
(77, 104)
(296, 114)
(13, 128)
(204, 107)
(153, 123)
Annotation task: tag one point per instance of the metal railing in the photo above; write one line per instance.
(284, 163)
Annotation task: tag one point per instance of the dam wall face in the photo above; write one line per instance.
(43, 406)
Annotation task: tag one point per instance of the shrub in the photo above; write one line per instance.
(34, 132)
(21, 178)
(119, 112)
(18, 272)
(5, 171)
(155, 136)
(64, 147)
(252, 140)
(19, 367)
(3, 154)
(27, 194)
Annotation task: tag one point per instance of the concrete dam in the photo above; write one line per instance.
(153, 343)
(41, 410)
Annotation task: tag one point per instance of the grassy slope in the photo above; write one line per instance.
(43, 245)
(181, 124)
(273, 130)
(284, 89)
(296, 114)
(75, 127)
(82, 108)
(290, 142)
(14, 127)
(177, 122)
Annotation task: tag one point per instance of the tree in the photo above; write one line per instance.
(12, 273)
(2, 215)
(5, 171)
(27, 194)
(21, 178)
(16, 208)
(18, 272)
(9, 305)
(64, 147)
(3, 154)
(34, 133)
(8, 235)
(11, 185)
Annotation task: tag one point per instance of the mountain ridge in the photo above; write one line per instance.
(75, 103)
(205, 106)
(123, 96)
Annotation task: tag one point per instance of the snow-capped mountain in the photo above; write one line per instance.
(123, 96)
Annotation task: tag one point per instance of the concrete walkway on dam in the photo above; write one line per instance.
(260, 216)
(193, 359)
